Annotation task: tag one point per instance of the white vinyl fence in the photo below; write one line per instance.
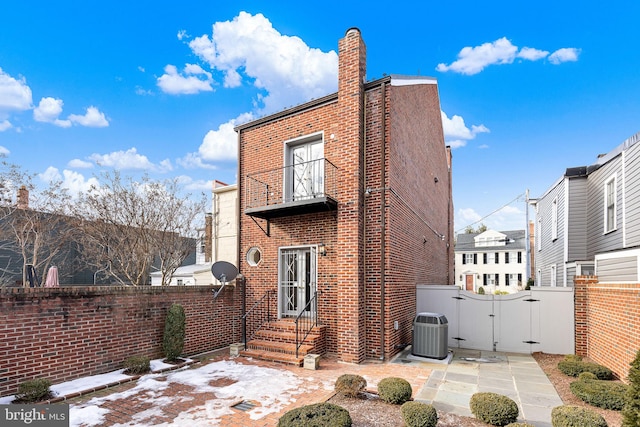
(539, 320)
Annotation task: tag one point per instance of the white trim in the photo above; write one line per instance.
(410, 81)
(554, 276)
(554, 219)
(623, 185)
(618, 254)
(565, 226)
(613, 178)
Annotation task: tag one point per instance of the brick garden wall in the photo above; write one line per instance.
(66, 333)
(607, 323)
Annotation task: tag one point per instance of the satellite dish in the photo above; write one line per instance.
(223, 271)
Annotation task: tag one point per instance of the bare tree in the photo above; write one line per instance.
(35, 228)
(127, 224)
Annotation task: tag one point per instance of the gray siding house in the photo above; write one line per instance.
(588, 222)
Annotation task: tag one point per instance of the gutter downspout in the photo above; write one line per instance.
(243, 280)
(383, 219)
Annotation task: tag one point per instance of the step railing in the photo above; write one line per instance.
(306, 321)
(258, 315)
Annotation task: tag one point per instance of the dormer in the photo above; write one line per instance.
(490, 238)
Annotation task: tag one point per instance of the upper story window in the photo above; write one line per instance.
(468, 258)
(554, 219)
(539, 235)
(304, 168)
(610, 205)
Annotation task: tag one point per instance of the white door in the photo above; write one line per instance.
(297, 286)
(307, 171)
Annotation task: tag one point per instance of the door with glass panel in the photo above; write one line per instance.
(297, 271)
(306, 172)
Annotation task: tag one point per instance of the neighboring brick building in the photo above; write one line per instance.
(348, 196)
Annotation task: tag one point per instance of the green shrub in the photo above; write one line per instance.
(480, 290)
(316, 415)
(493, 408)
(576, 416)
(573, 357)
(34, 390)
(600, 393)
(350, 385)
(394, 390)
(631, 411)
(418, 414)
(136, 365)
(501, 293)
(573, 368)
(174, 332)
(587, 376)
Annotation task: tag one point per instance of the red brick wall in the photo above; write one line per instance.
(607, 323)
(66, 333)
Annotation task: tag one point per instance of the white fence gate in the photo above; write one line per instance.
(539, 320)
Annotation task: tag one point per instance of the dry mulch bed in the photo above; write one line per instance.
(368, 410)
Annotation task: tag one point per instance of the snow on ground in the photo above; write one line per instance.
(92, 382)
(273, 389)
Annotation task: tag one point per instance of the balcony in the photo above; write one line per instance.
(305, 187)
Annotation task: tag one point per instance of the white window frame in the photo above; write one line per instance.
(539, 236)
(313, 171)
(610, 204)
(554, 280)
(468, 258)
(554, 219)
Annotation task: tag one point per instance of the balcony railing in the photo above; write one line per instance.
(300, 188)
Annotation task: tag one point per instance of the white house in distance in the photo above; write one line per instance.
(493, 260)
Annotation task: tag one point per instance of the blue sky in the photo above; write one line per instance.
(526, 90)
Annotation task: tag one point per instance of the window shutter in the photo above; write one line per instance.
(497, 260)
(484, 258)
(475, 258)
(506, 257)
(519, 257)
(507, 282)
(519, 278)
(497, 279)
(484, 279)
(464, 259)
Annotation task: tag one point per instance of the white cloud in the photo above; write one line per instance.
(15, 95)
(193, 80)
(75, 182)
(48, 111)
(129, 159)
(456, 133)
(468, 215)
(564, 55)
(289, 71)
(141, 69)
(4, 152)
(195, 185)
(472, 60)
(79, 164)
(182, 34)
(4, 125)
(92, 118)
(194, 161)
(143, 92)
(532, 54)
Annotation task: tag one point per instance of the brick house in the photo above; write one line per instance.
(345, 207)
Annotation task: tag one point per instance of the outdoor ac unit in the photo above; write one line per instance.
(430, 336)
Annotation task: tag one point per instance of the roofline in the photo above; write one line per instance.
(394, 79)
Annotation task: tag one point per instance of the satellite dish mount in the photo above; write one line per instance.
(225, 272)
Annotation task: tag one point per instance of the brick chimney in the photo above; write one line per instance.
(22, 201)
(350, 144)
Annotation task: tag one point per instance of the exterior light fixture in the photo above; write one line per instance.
(322, 249)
